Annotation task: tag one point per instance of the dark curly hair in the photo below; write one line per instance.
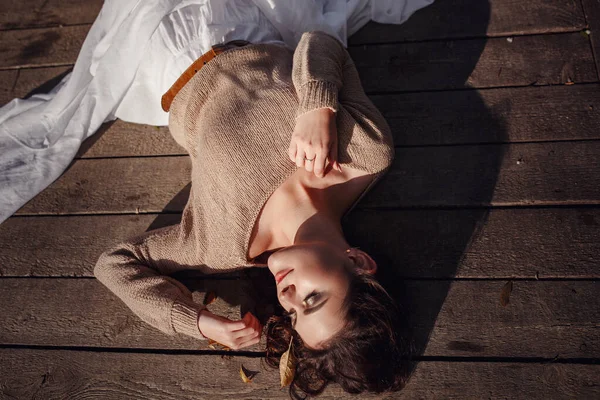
(368, 354)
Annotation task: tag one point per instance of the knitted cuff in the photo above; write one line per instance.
(317, 94)
(184, 318)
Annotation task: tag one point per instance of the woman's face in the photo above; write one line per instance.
(312, 280)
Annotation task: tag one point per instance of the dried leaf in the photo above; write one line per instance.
(505, 294)
(210, 298)
(244, 376)
(287, 366)
(212, 343)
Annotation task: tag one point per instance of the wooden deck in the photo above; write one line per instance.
(495, 110)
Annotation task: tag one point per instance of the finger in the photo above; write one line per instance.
(249, 331)
(236, 326)
(309, 165)
(320, 163)
(249, 342)
(300, 158)
(292, 151)
(333, 155)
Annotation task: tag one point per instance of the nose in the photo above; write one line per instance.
(288, 296)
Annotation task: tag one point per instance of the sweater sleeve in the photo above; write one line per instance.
(137, 272)
(318, 64)
(324, 75)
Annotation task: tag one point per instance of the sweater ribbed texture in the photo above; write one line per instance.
(235, 118)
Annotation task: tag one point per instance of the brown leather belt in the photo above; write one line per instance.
(189, 73)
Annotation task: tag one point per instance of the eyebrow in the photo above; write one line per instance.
(316, 308)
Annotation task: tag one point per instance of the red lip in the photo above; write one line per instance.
(281, 274)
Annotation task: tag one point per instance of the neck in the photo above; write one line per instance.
(309, 218)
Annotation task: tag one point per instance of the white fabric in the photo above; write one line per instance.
(134, 51)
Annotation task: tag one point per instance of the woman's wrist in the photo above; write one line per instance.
(202, 315)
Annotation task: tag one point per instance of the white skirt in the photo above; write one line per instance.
(133, 53)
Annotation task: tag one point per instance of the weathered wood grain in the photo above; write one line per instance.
(19, 14)
(465, 18)
(498, 175)
(81, 374)
(465, 318)
(138, 181)
(547, 113)
(501, 243)
(27, 82)
(8, 80)
(525, 60)
(41, 47)
(480, 63)
(493, 115)
(446, 19)
(125, 139)
(592, 13)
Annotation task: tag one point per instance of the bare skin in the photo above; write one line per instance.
(298, 234)
(299, 229)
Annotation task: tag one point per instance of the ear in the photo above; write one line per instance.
(362, 261)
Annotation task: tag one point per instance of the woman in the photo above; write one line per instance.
(283, 144)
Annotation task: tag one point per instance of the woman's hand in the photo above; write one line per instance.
(315, 137)
(233, 334)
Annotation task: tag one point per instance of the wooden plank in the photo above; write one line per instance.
(66, 246)
(592, 13)
(8, 81)
(124, 139)
(501, 243)
(477, 63)
(527, 60)
(496, 175)
(457, 176)
(41, 47)
(493, 115)
(137, 181)
(528, 114)
(38, 80)
(27, 82)
(465, 18)
(20, 14)
(29, 373)
(543, 319)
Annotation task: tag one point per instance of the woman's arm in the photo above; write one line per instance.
(137, 272)
(317, 72)
(324, 75)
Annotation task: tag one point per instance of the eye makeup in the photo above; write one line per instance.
(308, 303)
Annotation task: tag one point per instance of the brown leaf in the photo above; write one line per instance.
(212, 343)
(244, 375)
(209, 298)
(505, 294)
(287, 366)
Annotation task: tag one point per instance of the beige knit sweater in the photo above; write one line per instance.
(235, 118)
